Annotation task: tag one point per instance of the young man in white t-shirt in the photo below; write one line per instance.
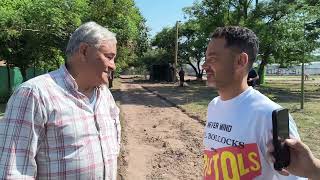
(239, 123)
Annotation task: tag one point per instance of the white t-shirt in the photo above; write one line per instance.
(236, 135)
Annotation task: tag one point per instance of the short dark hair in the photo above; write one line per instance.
(241, 38)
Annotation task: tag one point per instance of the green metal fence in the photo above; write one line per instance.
(31, 72)
(16, 79)
(7, 88)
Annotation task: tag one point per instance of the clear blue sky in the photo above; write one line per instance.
(162, 13)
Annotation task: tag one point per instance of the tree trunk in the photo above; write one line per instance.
(246, 10)
(199, 76)
(9, 79)
(23, 73)
(34, 69)
(264, 62)
(193, 67)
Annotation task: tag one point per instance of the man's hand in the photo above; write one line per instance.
(302, 161)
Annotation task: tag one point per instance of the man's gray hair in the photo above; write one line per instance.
(91, 33)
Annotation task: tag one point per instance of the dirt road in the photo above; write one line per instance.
(159, 141)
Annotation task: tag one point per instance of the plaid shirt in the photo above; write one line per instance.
(49, 131)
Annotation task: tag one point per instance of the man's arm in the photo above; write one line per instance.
(303, 163)
(254, 76)
(20, 130)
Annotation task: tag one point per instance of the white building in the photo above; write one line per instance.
(312, 68)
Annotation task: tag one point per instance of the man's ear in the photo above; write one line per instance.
(242, 61)
(83, 48)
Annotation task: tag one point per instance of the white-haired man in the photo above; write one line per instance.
(65, 124)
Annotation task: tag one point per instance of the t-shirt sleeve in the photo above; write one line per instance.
(293, 130)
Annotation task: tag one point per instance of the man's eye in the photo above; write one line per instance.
(109, 56)
(210, 59)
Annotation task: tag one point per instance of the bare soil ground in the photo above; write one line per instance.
(159, 140)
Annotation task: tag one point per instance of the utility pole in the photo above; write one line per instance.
(302, 84)
(302, 71)
(176, 53)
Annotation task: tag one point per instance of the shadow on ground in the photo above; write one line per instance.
(197, 92)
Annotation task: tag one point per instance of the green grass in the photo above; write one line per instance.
(194, 97)
(284, 90)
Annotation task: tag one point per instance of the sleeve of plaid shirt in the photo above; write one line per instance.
(20, 130)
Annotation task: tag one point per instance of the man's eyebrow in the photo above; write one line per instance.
(109, 53)
(212, 54)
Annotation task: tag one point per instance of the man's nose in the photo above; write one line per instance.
(111, 65)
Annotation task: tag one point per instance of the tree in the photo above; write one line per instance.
(193, 46)
(153, 56)
(278, 24)
(125, 19)
(35, 33)
(165, 39)
(204, 17)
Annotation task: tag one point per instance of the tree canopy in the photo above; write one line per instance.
(36, 32)
(288, 30)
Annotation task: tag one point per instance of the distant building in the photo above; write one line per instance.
(312, 68)
(162, 72)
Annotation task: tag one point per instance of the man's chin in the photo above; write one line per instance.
(103, 81)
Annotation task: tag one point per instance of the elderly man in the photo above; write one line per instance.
(65, 124)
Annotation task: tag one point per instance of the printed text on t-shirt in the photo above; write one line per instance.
(222, 127)
(232, 163)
